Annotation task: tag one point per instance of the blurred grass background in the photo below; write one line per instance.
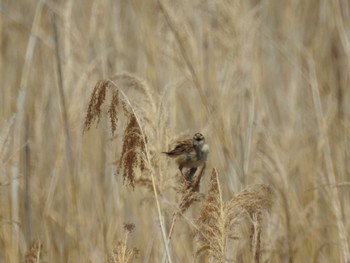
(266, 81)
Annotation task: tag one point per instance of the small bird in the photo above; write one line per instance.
(190, 153)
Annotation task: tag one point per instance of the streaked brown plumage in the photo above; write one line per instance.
(190, 153)
(181, 147)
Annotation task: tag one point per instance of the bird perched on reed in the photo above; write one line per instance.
(190, 153)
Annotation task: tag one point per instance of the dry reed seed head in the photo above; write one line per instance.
(112, 111)
(35, 252)
(188, 198)
(129, 227)
(147, 182)
(121, 254)
(98, 96)
(210, 209)
(213, 193)
(137, 84)
(211, 231)
(132, 152)
(254, 199)
(215, 224)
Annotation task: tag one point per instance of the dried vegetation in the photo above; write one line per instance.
(93, 91)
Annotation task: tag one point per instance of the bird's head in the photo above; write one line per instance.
(198, 140)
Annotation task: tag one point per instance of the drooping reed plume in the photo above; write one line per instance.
(218, 220)
(252, 203)
(133, 154)
(138, 158)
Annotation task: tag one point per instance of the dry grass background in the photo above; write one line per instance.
(267, 83)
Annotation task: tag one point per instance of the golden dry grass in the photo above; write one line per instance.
(93, 91)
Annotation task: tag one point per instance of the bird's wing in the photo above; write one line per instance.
(181, 147)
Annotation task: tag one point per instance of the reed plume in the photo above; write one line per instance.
(35, 253)
(136, 162)
(133, 154)
(218, 220)
(121, 253)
